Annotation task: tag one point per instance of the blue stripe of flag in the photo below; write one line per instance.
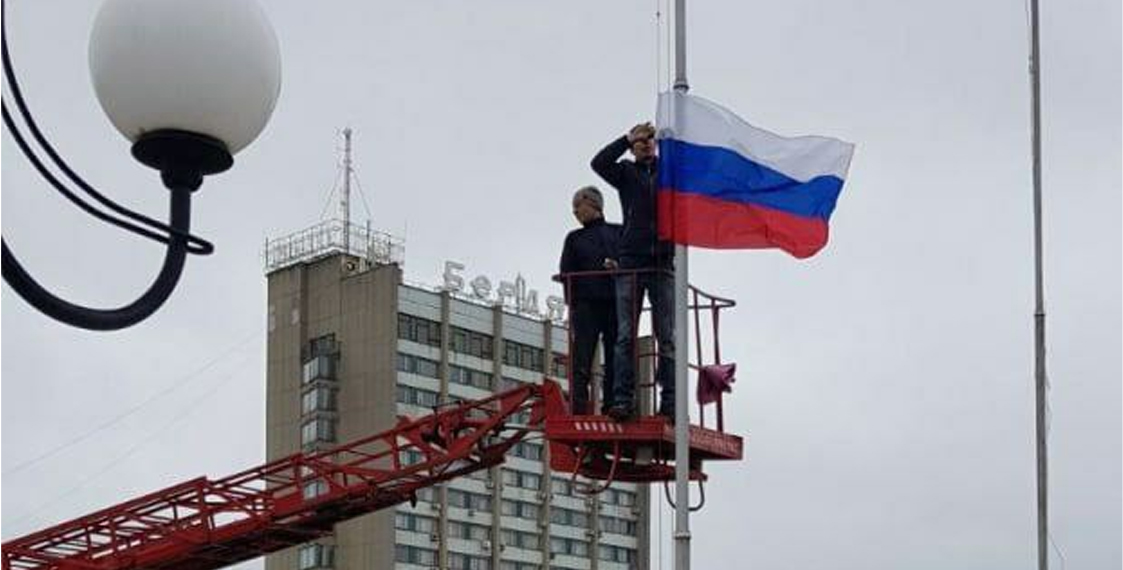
(726, 175)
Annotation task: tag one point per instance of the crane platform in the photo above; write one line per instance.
(641, 451)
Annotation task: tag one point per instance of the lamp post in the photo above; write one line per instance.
(189, 83)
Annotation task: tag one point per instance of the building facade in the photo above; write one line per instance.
(350, 347)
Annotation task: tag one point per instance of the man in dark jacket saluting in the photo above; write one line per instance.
(592, 299)
(640, 249)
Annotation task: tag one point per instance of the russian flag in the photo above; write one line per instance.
(726, 184)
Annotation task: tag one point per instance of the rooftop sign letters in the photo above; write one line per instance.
(510, 295)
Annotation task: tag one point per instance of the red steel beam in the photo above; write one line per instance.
(203, 524)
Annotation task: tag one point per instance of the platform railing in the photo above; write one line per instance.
(702, 306)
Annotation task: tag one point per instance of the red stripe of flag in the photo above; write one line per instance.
(703, 221)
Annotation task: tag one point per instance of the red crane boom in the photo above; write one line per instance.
(203, 524)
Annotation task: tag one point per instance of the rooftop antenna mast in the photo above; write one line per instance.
(345, 196)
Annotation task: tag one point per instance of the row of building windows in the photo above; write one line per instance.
(478, 344)
(522, 479)
(511, 477)
(428, 525)
(316, 555)
(456, 374)
(561, 486)
(321, 346)
(417, 396)
(419, 330)
(318, 368)
(532, 451)
(320, 397)
(407, 554)
(618, 497)
(613, 553)
(469, 531)
(560, 515)
(462, 340)
(415, 523)
(316, 431)
(564, 487)
(520, 509)
(322, 556)
(570, 546)
(524, 356)
(472, 343)
(459, 561)
(469, 377)
(558, 367)
(521, 539)
(513, 565)
(418, 365)
(469, 500)
(617, 525)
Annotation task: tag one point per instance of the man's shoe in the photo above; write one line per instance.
(620, 412)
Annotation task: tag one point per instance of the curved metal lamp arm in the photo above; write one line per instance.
(111, 319)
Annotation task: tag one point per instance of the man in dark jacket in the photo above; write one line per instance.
(652, 259)
(592, 300)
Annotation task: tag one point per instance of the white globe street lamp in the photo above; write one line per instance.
(190, 83)
(210, 68)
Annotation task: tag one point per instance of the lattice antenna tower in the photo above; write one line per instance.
(345, 195)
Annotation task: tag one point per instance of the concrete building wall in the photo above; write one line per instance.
(307, 302)
(361, 309)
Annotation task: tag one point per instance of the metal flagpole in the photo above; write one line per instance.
(1039, 310)
(682, 341)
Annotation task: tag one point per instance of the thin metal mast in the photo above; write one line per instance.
(682, 341)
(1039, 310)
(345, 196)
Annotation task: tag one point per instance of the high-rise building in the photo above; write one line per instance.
(351, 347)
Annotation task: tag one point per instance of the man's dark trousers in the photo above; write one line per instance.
(592, 319)
(658, 281)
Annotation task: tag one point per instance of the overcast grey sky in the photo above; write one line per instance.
(886, 385)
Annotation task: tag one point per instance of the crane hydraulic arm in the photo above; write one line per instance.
(203, 524)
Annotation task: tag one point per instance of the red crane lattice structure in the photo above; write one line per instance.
(203, 524)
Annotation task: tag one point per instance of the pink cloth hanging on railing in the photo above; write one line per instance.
(713, 380)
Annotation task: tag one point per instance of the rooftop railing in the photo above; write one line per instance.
(332, 237)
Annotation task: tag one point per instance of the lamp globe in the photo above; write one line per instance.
(189, 82)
